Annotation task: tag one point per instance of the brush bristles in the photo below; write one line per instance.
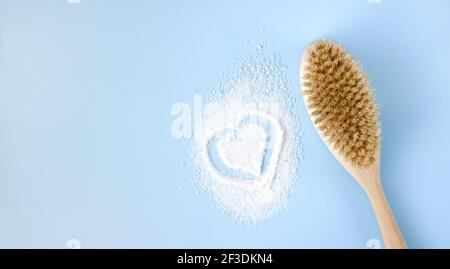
(340, 102)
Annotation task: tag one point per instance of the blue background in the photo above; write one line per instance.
(85, 97)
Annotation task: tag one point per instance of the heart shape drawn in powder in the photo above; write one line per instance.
(244, 149)
(248, 152)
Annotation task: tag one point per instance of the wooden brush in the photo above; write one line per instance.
(343, 109)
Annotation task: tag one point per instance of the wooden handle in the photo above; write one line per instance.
(392, 236)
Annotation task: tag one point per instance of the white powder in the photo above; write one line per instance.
(246, 147)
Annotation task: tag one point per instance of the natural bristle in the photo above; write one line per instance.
(340, 102)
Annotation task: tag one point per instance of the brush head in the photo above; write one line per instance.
(340, 102)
